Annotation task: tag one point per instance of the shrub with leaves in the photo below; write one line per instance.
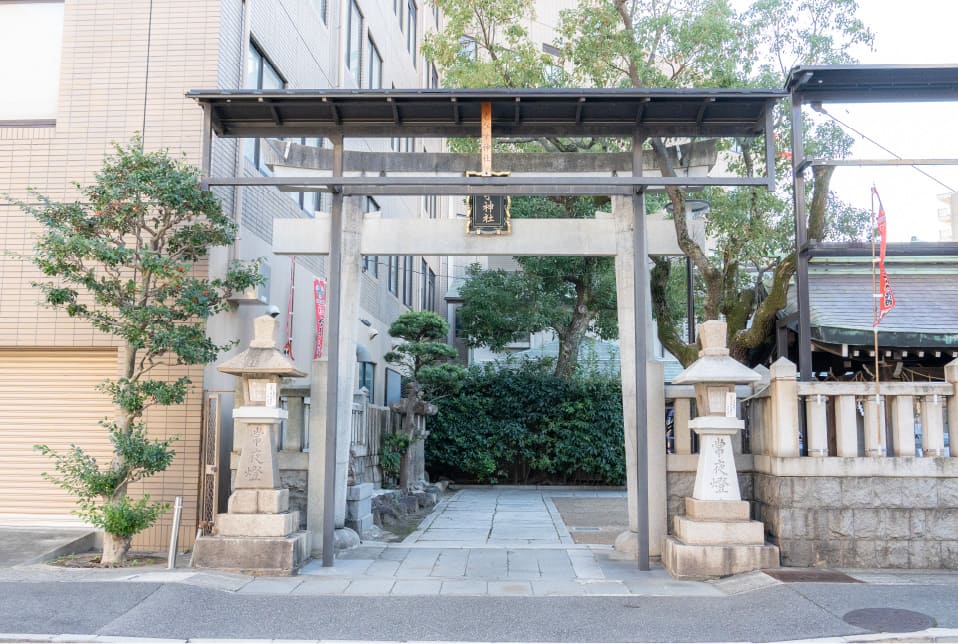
(524, 424)
(121, 257)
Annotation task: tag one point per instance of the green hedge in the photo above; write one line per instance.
(523, 425)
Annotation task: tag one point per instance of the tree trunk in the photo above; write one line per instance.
(115, 549)
(405, 462)
(571, 337)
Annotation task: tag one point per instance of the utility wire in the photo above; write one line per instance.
(146, 78)
(821, 110)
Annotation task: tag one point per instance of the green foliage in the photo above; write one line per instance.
(136, 456)
(390, 455)
(423, 355)
(694, 43)
(522, 424)
(121, 257)
(568, 295)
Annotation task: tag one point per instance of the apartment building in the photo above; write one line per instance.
(100, 70)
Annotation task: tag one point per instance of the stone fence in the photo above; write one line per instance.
(839, 478)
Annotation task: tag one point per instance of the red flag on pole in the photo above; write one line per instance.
(886, 299)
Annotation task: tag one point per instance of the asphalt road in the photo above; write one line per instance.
(783, 612)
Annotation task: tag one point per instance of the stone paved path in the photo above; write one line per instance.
(487, 541)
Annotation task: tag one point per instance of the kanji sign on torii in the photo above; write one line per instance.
(346, 234)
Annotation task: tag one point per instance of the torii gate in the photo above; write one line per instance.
(346, 235)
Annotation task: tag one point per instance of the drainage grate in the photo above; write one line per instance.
(889, 620)
(576, 529)
(792, 575)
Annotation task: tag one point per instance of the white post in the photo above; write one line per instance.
(903, 425)
(874, 425)
(816, 423)
(682, 435)
(784, 409)
(951, 376)
(846, 427)
(932, 426)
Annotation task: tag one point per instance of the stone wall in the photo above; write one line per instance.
(860, 522)
(295, 480)
(845, 512)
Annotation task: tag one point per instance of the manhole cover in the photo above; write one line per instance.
(889, 620)
(789, 575)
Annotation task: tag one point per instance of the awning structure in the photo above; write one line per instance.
(456, 113)
(874, 83)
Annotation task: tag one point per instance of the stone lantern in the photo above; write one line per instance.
(258, 534)
(715, 536)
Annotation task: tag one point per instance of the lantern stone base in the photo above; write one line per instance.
(716, 539)
(255, 544)
(267, 556)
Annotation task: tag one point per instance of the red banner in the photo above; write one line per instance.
(319, 296)
(886, 299)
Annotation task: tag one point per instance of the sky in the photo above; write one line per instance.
(912, 32)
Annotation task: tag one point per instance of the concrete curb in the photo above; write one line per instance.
(930, 635)
(84, 543)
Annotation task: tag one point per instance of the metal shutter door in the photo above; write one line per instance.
(48, 396)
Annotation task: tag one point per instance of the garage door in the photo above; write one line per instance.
(48, 396)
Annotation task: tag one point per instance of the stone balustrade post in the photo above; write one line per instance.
(784, 431)
(816, 424)
(846, 427)
(874, 425)
(951, 376)
(682, 435)
(932, 426)
(293, 437)
(903, 425)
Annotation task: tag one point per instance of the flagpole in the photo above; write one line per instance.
(875, 320)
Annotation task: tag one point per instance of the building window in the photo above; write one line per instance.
(433, 77)
(371, 262)
(431, 299)
(431, 206)
(321, 7)
(411, 45)
(374, 75)
(31, 35)
(407, 280)
(309, 201)
(423, 288)
(367, 378)
(393, 386)
(260, 74)
(354, 42)
(393, 279)
(468, 48)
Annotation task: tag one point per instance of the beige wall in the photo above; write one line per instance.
(101, 92)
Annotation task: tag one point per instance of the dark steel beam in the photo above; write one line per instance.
(479, 185)
(206, 143)
(297, 127)
(801, 237)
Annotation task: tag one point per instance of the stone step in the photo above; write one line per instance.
(708, 533)
(693, 561)
(256, 525)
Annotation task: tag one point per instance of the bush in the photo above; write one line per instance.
(523, 425)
